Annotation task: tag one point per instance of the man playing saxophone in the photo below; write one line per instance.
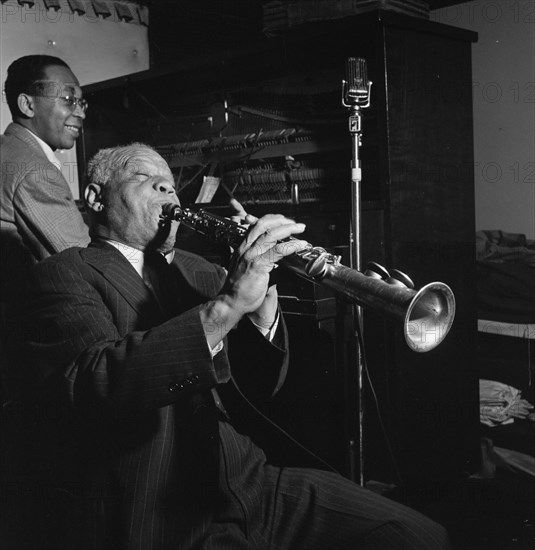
(119, 433)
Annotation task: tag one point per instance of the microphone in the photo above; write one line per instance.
(356, 87)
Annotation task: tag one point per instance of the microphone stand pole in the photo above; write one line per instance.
(355, 104)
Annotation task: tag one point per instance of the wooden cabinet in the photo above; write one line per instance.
(267, 119)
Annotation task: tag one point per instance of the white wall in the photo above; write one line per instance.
(95, 48)
(504, 109)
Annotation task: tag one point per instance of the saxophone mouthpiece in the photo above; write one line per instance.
(170, 211)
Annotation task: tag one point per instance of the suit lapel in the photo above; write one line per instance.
(119, 273)
(206, 284)
(194, 285)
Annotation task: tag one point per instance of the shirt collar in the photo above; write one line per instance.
(136, 257)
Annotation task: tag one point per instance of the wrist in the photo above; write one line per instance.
(263, 321)
(219, 316)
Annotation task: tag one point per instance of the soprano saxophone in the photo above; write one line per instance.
(427, 314)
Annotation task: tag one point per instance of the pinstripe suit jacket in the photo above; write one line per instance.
(115, 402)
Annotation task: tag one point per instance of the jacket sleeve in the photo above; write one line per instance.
(76, 354)
(259, 367)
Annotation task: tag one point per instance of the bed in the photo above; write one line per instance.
(506, 350)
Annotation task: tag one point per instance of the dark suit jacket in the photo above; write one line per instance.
(111, 413)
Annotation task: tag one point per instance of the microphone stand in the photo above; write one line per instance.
(355, 102)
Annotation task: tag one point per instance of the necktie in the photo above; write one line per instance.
(158, 275)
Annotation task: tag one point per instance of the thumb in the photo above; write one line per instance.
(240, 215)
(239, 210)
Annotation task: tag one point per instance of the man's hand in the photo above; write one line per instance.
(246, 287)
(266, 314)
(265, 244)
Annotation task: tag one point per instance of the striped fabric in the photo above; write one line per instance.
(304, 509)
(116, 442)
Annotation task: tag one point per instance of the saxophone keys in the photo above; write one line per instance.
(317, 267)
(399, 278)
(376, 271)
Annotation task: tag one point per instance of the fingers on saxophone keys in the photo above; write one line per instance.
(274, 229)
(267, 256)
(237, 219)
(265, 224)
(287, 248)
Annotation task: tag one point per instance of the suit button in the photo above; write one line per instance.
(174, 387)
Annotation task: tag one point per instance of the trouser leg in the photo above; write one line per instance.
(262, 507)
(310, 509)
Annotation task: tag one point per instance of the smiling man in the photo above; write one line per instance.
(38, 214)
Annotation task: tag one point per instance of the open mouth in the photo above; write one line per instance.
(73, 129)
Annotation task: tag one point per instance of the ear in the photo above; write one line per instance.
(25, 104)
(93, 197)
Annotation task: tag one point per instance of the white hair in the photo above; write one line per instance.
(104, 166)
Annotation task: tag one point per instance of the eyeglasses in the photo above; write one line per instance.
(49, 88)
(71, 102)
